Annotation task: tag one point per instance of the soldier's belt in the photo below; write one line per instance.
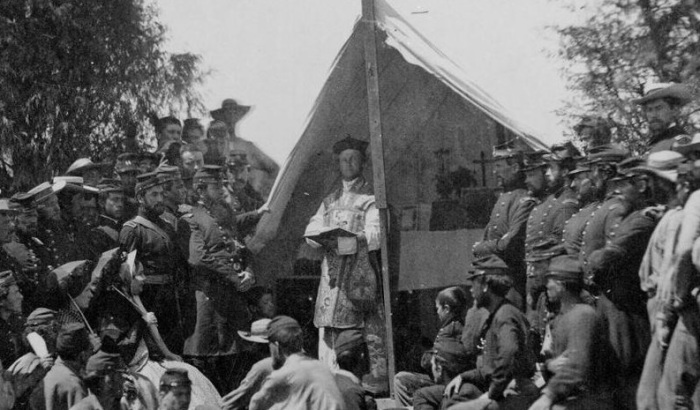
(158, 280)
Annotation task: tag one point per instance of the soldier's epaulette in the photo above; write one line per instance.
(130, 224)
(527, 199)
(570, 201)
(187, 215)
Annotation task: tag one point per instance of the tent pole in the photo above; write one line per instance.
(377, 146)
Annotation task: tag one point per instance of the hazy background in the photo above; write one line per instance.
(276, 54)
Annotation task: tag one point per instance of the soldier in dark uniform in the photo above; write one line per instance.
(546, 182)
(594, 131)
(240, 194)
(153, 239)
(661, 105)
(614, 268)
(504, 235)
(25, 265)
(505, 355)
(11, 345)
(105, 235)
(127, 170)
(220, 265)
(579, 358)
(174, 195)
(606, 217)
(50, 222)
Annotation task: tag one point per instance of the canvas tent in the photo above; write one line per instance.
(433, 120)
(428, 104)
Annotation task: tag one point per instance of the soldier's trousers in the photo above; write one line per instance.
(682, 366)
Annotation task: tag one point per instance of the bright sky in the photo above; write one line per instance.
(276, 55)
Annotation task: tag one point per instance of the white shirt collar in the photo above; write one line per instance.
(348, 184)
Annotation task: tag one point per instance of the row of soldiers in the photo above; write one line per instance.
(586, 281)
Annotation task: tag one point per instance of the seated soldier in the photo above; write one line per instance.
(240, 397)
(448, 359)
(581, 358)
(450, 304)
(353, 363)
(505, 361)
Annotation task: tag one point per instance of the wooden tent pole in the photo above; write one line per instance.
(377, 147)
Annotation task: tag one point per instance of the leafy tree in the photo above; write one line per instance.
(79, 78)
(622, 45)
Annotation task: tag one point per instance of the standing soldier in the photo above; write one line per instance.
(153, 239)
(348, 293)
(545, 224)
(50, 221)
(221, 272)
(174, 195)
(661, 105)
(239, 193)
(127, 170)
(594, 132)
(105, 235)
(504, 235)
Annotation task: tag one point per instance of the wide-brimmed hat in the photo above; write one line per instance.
(44, 190)
(534, 160)
(663, 164)
(229, 104)
(655, 91)
(691, 146)
(609, 155)
(82, 165)
(258, 331)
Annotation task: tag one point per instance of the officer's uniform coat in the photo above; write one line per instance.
(216, 257)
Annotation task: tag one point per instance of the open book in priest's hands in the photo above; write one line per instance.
(330, 233)
(345, 242)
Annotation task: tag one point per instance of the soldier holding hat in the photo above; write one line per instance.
(153, 239)
(348, 293)
(221, 271)
(504, 346)
(579, 357)
(448, 358)
(298, 381)
(661, 105)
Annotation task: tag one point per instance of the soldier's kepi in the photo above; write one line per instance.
(153, 239)
(220, 271)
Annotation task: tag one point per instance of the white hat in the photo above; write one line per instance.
(258, 331)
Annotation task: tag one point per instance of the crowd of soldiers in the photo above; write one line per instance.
(117, 278)
(130, 266)
(586, 281)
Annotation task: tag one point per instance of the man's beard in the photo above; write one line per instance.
(155, 210)
(482, 300)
